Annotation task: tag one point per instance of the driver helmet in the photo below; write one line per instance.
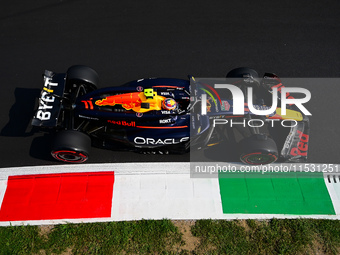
(148, 93)
(169, 104)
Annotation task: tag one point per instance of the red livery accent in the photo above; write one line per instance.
(212, 89)
(87, 104)
(128, 100)
(302, 146)
(279, 89)
(165, 86)
(123, 123)
(162, 127)
(276, 116)
(91, 104)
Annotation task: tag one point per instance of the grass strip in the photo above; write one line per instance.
(294, 236)
(288, 236)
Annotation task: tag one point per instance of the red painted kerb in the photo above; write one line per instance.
(58, 196)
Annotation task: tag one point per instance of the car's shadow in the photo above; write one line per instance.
(20, 114)
(225, 150)
(41, 147)
(19, 124)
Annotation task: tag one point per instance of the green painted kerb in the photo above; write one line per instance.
(293, 193)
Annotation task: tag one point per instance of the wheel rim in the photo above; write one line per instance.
(69, 156)
(258, 158)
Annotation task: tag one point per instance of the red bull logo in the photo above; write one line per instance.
(123, 123)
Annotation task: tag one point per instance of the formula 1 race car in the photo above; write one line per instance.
(156, 115)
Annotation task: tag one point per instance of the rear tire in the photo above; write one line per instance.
(82, 75)
(71, 146)
(258, 150)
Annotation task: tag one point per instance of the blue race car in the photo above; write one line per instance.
(156, 115)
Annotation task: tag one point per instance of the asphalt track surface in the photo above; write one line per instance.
(128, 40)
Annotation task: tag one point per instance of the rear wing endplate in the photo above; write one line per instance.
(50, 100)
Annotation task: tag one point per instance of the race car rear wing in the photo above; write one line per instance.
(50, 100)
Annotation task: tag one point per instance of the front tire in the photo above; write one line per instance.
(248, 76)
(258, 150)
(71, 146)
(241, 72)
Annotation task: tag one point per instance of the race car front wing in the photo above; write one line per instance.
(295, 148)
